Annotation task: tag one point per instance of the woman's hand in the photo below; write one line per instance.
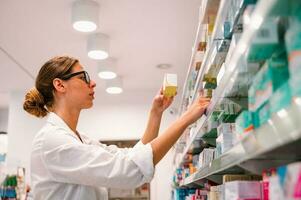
(161, 103)
(196, 110)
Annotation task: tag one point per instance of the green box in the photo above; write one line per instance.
(270, 77)
(263, 114)
(265, 42)
(244, 122)
(281, 98)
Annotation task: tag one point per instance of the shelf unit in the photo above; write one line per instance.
(272, 144)
(208, 7)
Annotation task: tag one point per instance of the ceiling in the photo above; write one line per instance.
(143, 34)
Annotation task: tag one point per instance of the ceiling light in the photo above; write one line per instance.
(85, 15)
(98, 46)
(107, 69)
(114, 86)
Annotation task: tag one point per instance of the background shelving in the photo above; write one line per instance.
(271, 145)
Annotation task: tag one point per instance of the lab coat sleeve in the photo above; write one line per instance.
(67, 160)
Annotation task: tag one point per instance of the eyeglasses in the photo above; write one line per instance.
(86, 76)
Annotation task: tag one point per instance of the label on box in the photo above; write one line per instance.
(295, 62)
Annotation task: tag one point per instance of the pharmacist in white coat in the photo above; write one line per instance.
(66, 164)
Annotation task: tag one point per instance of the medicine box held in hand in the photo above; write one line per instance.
(170, 85)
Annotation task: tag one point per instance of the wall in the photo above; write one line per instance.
(3, 119)
(112, 117)
(21, 130)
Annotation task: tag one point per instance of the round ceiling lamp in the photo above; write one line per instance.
(85, 15)
(107, 69)
(114, 86)
(98, 46)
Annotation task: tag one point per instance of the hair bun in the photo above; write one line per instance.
(34, 103)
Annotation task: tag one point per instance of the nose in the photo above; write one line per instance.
(92, 84)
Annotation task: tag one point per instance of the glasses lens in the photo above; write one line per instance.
(87, 77)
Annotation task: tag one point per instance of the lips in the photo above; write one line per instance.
(92, 95)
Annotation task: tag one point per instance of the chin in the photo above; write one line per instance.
(87, 106)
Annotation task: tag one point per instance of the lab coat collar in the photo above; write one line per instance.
(56, 120)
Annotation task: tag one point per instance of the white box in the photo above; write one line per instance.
(243, 189)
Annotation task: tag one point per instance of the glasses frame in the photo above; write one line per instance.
(86, 76)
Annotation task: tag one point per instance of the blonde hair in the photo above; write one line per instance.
(39, 100)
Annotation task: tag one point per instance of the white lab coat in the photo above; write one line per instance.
(64, 168)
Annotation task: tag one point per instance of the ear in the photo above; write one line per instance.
(59, 85)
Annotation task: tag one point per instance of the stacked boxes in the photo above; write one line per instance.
(206, 156)
(226, 138)
(272, 75)
(265, 42)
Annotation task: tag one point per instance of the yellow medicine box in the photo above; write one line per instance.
(170, 85)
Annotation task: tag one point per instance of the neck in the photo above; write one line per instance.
(70, 116)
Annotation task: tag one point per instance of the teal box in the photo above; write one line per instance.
(265, 42)
(244, 122)
(263, 114)
(270, 77)
(255, 119)
(281, 98)
(293, 46)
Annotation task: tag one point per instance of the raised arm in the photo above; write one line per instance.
(165, 141)
(160, 103)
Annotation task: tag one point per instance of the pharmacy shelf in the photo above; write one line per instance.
(189, 143)
(275, 143)
(208, 7)
(264, 8)
(224, 4)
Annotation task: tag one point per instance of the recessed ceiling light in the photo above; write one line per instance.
(163, 66)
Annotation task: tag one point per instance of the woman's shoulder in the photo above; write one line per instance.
(51, 136)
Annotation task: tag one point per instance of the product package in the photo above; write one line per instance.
(210, 81)
(170, 85)
(243, 190)
(240, 177)
(264, 43)
(244, 124)
(226, 128)
(206, 157)
(216, 192)
(262, 115)
(293, 46)
(290, 180)
(270, 77)
(281, 98)
(224, 142)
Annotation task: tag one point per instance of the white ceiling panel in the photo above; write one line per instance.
(143, 34)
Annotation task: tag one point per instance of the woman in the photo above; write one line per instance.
(68, 165)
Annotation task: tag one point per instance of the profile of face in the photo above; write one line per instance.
(77, 88)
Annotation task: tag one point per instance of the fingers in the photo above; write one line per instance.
(161, 90)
